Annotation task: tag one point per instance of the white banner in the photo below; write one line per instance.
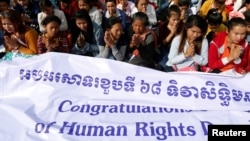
(64, 97)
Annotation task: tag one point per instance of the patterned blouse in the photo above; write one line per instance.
(61, 44)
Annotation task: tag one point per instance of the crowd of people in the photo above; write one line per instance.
(167, 35)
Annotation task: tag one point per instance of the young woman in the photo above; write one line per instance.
(52, 40)
(142, 42)
(17, 36)
(87, 35)
(189, 50)
(228, 51)
(115, 41)
(47, 9)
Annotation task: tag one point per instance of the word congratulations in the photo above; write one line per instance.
(210, 91)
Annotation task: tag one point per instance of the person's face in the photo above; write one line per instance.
(248, 6)
(23, 2)
(52, 29)
(111, 7)
(237, 34)
(48, 10)
(8, 25)
(142, 5)
(3, 6)
(82, 24)
(138, 26)
(213, 27)
(193, 33)
(116, 30)
(83, 5)
(174, 19)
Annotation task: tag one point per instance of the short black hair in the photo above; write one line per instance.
(51, 18)
(236, 21)
(214, 17)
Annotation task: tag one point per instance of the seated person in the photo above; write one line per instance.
(228, 51)
(214, 21)
(17, 36)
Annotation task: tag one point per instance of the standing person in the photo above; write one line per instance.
(142, 42)
(17, 37)
(189, 50)
(228, 51)
(47, 9)
(87, 35)
(51, 40)
(115, 41)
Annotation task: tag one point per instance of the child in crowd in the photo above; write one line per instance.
(228, 51)
(145, 7)
(189, 50)
(17, 37)
(215, 25)
(94, 13)
(142, 42)
(167, 31)
(87, 35)
(115, 41)
(47, 9)
(111, 11)
(51, 40)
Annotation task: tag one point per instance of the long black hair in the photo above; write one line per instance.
(88, 35)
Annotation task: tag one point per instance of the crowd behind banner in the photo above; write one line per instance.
(210, 36)
(55, 97)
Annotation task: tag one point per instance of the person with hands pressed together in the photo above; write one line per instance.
(87, 36)
(52, 40)
(189, 49)
(142, 42)
(18, 37)
(115, 41)
(228, 51)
